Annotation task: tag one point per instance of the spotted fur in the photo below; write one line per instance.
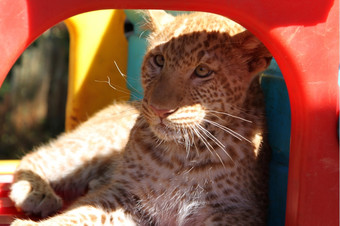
(192, 153)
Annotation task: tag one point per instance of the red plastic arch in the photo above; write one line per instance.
(303, 37)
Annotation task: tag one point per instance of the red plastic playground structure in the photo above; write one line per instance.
(303, 36)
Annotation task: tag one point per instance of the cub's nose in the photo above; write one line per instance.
(162, 113)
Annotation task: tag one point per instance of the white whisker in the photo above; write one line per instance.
(117, 88)
(141, 34)
(186, 141)
(192, 132)
(212, 137)
(107, 82)
(230, 115)
(215, 140)
(208, 145)
(228, 130)
(124, 76)
(120, 72)
(159, 142)
(184, 138)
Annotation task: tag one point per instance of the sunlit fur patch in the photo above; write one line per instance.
(257, 140)
(177, 125)
(187, 115)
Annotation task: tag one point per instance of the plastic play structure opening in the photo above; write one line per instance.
(291, 34)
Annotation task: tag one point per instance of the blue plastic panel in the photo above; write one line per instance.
(278, 120)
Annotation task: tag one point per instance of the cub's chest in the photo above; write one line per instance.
(173, 203)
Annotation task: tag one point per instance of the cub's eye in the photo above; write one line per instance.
(159, 60)
(203, 71)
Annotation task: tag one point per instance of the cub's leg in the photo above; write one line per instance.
(84, 215)
(70, 162)
(105, 206)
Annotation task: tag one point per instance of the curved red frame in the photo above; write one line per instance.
(303, 37)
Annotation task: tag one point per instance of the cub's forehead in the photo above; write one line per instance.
(209, 22)
(195, 23)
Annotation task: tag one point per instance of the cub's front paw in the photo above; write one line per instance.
(36, 198)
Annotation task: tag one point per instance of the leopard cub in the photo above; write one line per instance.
(192, 152)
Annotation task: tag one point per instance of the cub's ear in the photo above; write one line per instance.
(157, 19)
(255, 53)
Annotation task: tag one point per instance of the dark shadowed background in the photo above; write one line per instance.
(33, 96)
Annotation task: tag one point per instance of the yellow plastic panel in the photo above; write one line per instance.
(96, 41)
(8, 166)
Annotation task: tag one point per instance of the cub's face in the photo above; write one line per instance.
(190, 73)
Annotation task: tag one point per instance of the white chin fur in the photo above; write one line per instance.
(166, 133)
